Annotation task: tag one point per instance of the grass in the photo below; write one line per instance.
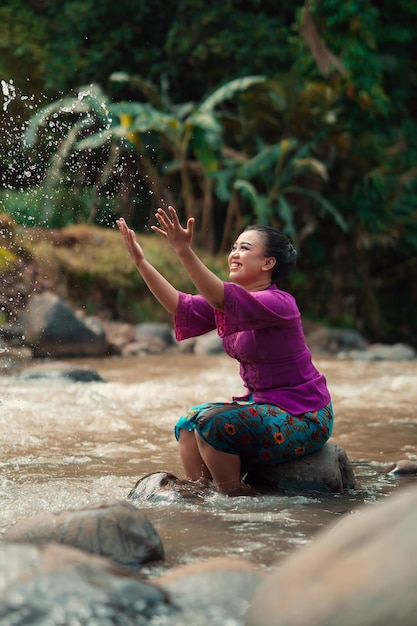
(92, 267)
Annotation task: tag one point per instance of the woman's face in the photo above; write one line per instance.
(248, 265)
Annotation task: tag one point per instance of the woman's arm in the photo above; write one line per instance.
(163, 291)
(207, 283)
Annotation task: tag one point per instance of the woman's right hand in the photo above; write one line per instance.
(170, 228)
(129, 237)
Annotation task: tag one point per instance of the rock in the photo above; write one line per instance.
(117, 530)
(153, 329)
(149, 338)
(53, 584)
(323, 340)
(118, 334)
(12, 333)
(328, 470)
(51, 329)
(162, 486)
(382, 352)
(186, 346)
(215, 592)
(3, 346)
(56, 370)
(145, 346)
(404, 467)
(360, 571)
(209, 343)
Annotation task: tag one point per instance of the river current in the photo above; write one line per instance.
(66, 445)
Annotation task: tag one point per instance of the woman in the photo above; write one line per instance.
(287, 411)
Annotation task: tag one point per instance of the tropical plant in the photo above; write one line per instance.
(272, 181)
(187, 140)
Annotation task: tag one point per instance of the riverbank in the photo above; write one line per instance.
(88, 267)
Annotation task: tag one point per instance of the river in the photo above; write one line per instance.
(65, 445)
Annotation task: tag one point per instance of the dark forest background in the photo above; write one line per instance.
(298, 115)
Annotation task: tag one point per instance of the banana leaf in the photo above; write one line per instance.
(229, 90)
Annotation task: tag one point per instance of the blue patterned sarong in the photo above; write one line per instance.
(259, 433)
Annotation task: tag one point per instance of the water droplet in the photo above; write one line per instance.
(9, 93)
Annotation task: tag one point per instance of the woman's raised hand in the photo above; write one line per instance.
(132, 245)
(169, 227)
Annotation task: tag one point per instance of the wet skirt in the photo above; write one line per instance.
(259, 433)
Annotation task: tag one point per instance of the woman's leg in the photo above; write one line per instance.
(260, 434)
(194, 467)
(223, 466)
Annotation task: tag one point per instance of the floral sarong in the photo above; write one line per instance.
(259, 433)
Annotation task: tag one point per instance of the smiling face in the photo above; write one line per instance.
(248, 265)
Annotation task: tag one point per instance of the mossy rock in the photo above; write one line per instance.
(7, 260)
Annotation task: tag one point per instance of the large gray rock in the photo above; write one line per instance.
(328, 470)
(153, 329)
(213, 592)
(53, 585)
(149, 338)
(51, 329)
(324, 340)
(361, 571)
(117, 530)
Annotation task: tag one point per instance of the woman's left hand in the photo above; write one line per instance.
(170, 228)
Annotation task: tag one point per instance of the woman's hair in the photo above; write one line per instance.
(280, 247)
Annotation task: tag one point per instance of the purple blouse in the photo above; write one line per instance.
(263, 331)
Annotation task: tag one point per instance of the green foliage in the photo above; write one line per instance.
(95, 38)
(55, 208)
(246, 38)
(277, 172)
(24, 31)
(90, 122)
(182, 116)
(349, 30)
(186, 44)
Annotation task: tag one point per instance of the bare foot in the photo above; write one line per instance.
(243, 490)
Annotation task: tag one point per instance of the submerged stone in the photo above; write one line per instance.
(117, 530)
(163, 486)
(57, 370)
(405, 467)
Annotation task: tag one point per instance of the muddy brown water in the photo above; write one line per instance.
(66, 445)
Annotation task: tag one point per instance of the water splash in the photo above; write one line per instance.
(9, 93)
